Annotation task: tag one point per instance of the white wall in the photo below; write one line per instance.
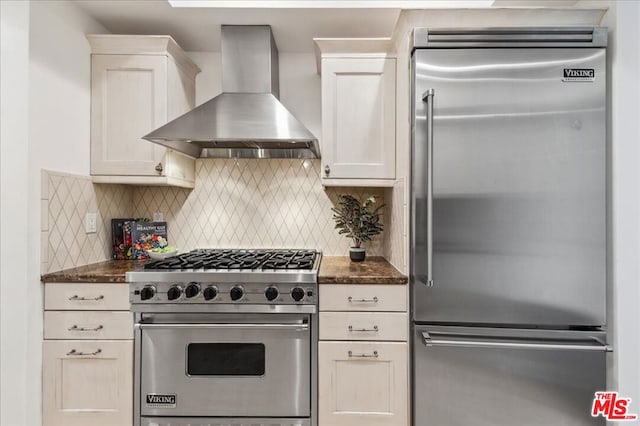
(300, 90)
(59, 111)
(14, 131)
(46, 59)
(209, 80)
(623, 20)
(60, 76)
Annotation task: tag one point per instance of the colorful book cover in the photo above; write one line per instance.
(121, 238)
(147, 236)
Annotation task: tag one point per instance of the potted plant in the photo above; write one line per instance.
(358, 221)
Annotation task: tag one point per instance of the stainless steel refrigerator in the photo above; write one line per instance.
(508, 234)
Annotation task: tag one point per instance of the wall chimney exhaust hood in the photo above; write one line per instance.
(246, 120)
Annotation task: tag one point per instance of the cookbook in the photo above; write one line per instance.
(131, 238)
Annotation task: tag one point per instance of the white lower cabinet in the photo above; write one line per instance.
(363, 374)
(87, 382)
(362, 384)
(87, 356)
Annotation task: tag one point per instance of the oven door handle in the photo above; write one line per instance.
(296, 327)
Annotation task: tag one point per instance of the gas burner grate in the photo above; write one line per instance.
(238, 259)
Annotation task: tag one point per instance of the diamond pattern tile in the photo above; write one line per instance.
(69, 198)
(395, 235)
(236, 203)
(253, 203)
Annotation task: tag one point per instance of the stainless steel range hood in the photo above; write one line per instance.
(246, 120)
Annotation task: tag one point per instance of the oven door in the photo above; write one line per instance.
(246, 366)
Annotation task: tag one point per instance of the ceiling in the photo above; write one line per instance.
(195, 24)
(198, 29)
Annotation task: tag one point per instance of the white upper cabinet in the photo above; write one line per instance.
(138, 83)
(129, 100)
(358, 114)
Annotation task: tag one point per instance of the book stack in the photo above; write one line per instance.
(132, 238)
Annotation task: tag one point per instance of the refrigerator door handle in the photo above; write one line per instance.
(497, 343)
(427, 98)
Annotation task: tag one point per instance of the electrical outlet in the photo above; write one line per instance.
(91, 223)
(158, 217)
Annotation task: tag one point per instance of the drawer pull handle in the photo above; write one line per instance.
(374, 329)
(373, 300)
(76, 297)
(76, 353)
(76, 328)
(356, 355)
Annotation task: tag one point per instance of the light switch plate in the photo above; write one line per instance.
(158, 217)
(91, 223)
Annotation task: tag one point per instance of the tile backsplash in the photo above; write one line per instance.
(238, 203)
(395, 225)
(65, 200)
(245, 203)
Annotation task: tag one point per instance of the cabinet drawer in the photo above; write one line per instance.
(86, 297)
(363, 298)
(363, 326)
(88, 325)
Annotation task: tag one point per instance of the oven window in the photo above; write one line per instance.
(225, 359)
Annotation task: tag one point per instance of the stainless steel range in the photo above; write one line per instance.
(226, 337)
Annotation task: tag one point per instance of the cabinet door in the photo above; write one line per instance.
(128, 100)
(81, 386)
(362, 384)
(358, 118)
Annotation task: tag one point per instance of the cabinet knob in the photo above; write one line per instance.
(159, 168)
(327, 170)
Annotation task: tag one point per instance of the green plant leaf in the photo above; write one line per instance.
(357, 220)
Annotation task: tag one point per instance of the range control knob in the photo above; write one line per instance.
(147, 292)
(236, 293)
(210, 293)
(297, 294)
(192, 290)
(271, 293)
(174, 293)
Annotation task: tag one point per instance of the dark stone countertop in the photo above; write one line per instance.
(374, 270)
(110, 271)
(333, 270)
